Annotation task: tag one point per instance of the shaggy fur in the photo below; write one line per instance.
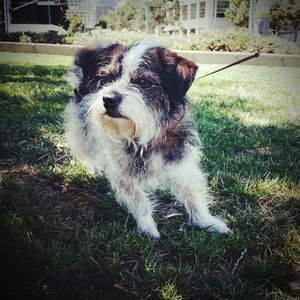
(128, 119)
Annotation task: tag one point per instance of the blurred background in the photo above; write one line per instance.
(183, 24)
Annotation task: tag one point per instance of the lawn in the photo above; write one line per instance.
(62, 235)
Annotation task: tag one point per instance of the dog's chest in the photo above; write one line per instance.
(134, 162)
(153, 159)
(143, 162)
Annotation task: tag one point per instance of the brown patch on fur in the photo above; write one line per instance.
(170, 134)
(173, 139)
(119, 127)
(185, 67)
(176, 74)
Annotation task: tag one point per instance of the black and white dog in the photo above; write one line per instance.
(128, 119)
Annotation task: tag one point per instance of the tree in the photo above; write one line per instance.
(238, 12)
(102, 23)
(76, 25)
(163, 13)
(132, 15)
(285, 16)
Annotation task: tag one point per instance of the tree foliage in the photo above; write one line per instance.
(285, 16)
(102, 23)
(132, 15)
(76, 25)
(238, 12)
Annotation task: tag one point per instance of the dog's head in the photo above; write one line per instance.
(132, 91)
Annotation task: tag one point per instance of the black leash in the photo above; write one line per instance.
(256, 54)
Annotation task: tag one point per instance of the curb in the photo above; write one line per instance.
(202, 57)
(53, 49)
(265, 59)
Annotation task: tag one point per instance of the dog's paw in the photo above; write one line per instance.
(148, 227)
(153, 233)
(213, 224)
(219, 226)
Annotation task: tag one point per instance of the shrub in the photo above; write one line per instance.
(24, 38)
(233, 40)
(32, 37)
(10, 37)
(76, 25)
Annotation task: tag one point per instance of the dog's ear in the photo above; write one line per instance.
(178, 74)
(84, 64)
(88, 61)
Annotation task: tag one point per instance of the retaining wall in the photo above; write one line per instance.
(202, 57)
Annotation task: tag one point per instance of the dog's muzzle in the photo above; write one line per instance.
(111, 103)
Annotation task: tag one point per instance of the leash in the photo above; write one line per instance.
(255, 55)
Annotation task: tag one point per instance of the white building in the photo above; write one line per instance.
(90, 11)
(203, 15)
(85, 9)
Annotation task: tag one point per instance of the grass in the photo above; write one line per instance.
(64, 237)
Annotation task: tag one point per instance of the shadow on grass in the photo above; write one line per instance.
(63, 236)
(48, 239)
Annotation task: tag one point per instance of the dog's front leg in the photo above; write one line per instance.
(138, 204)
(190, 185)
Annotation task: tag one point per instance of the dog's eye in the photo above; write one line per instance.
(106, 80)
(143, 83)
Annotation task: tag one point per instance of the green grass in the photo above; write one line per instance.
(62, 235)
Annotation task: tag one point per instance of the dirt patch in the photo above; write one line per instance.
(59, 203)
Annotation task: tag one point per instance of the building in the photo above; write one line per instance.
(203, 15)
(105, 6)
(34, 16)
(83, 9)
(90, 11)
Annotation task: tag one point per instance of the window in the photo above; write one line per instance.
(202, 9)
(193, 11)
(193, 31)
(221, 8)
(184, 12)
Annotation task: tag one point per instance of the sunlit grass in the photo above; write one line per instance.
(256, 95)
(40, 59)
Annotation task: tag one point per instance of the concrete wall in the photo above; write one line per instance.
(206, 57)
(53, 49)
(203, 57)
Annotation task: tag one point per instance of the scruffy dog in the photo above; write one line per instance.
(128, 119)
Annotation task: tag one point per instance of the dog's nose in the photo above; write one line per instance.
(112, 101)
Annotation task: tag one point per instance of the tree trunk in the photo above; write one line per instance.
(295, 34)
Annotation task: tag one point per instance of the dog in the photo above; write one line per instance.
(128, 120)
